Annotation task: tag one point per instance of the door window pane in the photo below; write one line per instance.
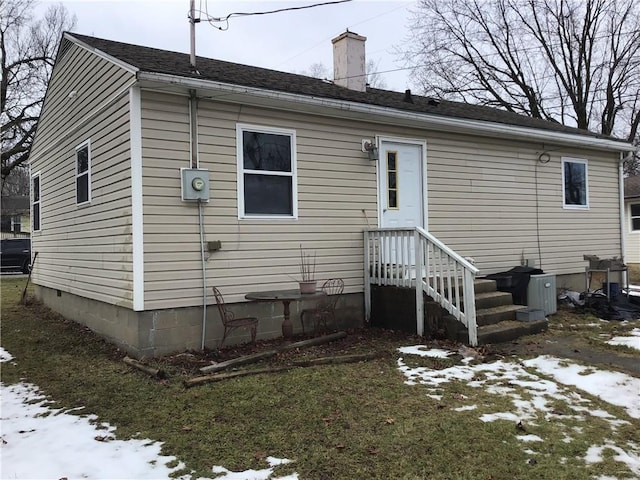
(392, 180)
(391, 160)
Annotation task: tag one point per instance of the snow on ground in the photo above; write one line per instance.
(631, 460)
(39, 441)
(612, 387)
(633, 341)
(5, 356)
(529, 438)
(507, 378)
(254, 474)
(43, 442)
(424, 351)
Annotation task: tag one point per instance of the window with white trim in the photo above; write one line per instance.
(575, 183)
(16, 223)
(83, 173)
(634, 210)
(267, 184)
(35, 201)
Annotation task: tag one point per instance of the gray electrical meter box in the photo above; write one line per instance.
(195, 184)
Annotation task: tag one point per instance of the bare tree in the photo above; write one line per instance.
(28, 47)
(317, 70)
(374, 78)
(16, 184)
(571, 61)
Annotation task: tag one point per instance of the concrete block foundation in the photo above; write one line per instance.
(153, 333)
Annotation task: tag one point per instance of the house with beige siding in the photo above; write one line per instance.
(283, 161)
(631, 225)
(15, 216)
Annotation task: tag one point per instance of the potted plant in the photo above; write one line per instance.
(307, 280)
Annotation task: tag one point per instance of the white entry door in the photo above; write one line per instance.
(402, 200)
(401, 185)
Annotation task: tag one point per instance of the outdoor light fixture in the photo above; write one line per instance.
(370, 148)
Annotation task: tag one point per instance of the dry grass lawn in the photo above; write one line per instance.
(334, 421)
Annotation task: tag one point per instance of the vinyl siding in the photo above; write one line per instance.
(482, 201)
(335, 183)
(85, 250)
(632, 238)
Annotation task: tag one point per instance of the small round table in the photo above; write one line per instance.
(286, 297)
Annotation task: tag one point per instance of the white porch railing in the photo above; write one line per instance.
(4, 235)
(391, 258)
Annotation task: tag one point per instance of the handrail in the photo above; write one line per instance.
(408, 257)
(453, 254)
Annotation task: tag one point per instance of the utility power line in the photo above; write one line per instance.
(225, 19)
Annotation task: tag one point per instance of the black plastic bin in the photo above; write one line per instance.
(515, 282)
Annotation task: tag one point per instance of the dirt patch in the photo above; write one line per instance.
(571, 346)
(562, 344)
(366, 340)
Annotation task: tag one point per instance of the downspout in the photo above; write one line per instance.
(193, 123)
(204, 275)
(623, 159)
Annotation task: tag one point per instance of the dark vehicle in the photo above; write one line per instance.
(15, 254)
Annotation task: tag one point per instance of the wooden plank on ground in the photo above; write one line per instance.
(154, 372)
(217, 377)
(255, 357)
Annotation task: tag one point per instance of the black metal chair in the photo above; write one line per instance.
(325, 307)
(230, 322)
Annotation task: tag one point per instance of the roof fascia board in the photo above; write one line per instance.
(359, 110)
(127, 66)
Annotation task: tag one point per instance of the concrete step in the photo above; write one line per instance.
(495, 316)
(508, 330)
(484, 285)
(493, 299)
(489, 316)
(483, 288)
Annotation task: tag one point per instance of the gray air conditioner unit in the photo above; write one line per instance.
(195, 184)
(542, 294)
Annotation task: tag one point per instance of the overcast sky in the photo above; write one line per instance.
(290, 41)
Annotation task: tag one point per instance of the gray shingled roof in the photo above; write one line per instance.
(162, 61)
(15, 205)
(632, 187)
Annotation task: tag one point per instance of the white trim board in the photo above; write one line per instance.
(137, 206)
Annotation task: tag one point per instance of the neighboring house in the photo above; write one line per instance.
(16, 218)
(291, 160)
(632, 219)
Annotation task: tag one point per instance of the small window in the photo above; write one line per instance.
(83, 173)
(266, 172)
(635, 217)
(575, 190)
(16, 223)
(392, 180)
(35, 201)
